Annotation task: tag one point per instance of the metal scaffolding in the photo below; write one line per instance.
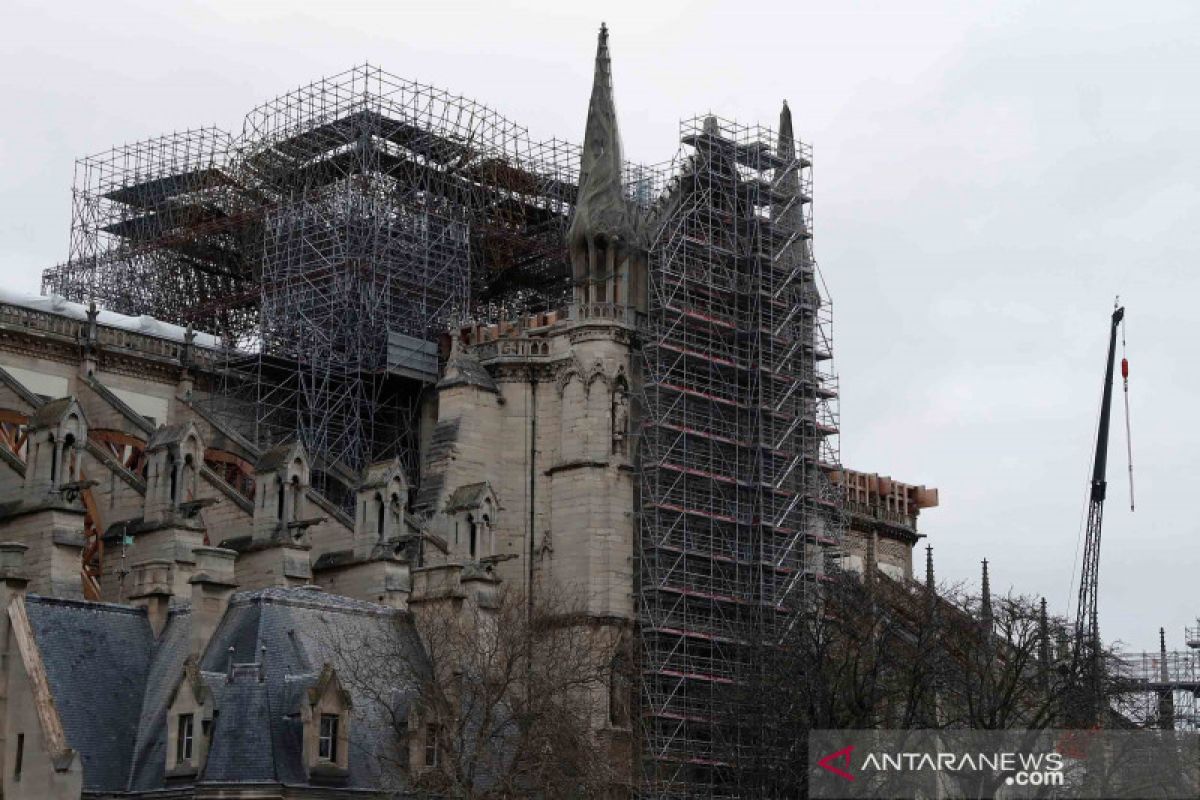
(356, 218)
(1162, 690)
(158, 227)
(351, 220)
(739, 445)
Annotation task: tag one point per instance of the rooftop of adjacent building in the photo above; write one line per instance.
(269, 648)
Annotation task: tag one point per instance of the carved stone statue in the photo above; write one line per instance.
(620, 418)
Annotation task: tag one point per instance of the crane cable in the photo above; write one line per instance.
(1128, 438)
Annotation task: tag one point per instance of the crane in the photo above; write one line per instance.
(1087, 629)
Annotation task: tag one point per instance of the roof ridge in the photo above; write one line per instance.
(290, 596)
(90, 604)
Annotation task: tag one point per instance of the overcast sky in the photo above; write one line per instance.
(988, 176)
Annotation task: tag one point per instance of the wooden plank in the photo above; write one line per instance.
(43, 699)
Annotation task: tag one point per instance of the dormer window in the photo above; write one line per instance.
(327, 738)
(184, 738)
(190, 713)
(326, 717)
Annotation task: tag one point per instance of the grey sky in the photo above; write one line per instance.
(988, 176)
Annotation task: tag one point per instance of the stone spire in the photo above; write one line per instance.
(601, 237)
(1164, 675)
(786, 147)
(787, 214)
(1166, 698)
(985, 605)
(930, 586)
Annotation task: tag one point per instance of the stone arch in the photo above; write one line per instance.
(571, 369)
(597, 373)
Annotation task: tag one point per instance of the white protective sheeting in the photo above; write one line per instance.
(55, 304)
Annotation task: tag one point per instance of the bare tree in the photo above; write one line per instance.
(505, 697)
(883, 654)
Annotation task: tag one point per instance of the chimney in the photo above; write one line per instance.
(212, 586)
(151, 590)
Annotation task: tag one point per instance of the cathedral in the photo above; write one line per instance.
(650, 421)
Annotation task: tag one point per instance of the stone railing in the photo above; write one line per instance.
(137, 342)
(29, 319)
(107, 336)
(515, 347)
(615, 312)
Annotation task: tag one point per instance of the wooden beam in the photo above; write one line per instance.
(43, 699)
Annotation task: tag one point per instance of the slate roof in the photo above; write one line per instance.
(297, 628)
(97, 656)
(441, 450)
(257, 731)
(166, 668)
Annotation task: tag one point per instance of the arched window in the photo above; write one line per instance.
(53, 460)
(68, 457)
(296, 498)
(279, 491)
(380, 510)
(174, 480)
(473, 533)
(189, 478)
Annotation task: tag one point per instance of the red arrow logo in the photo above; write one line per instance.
(841, 755)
